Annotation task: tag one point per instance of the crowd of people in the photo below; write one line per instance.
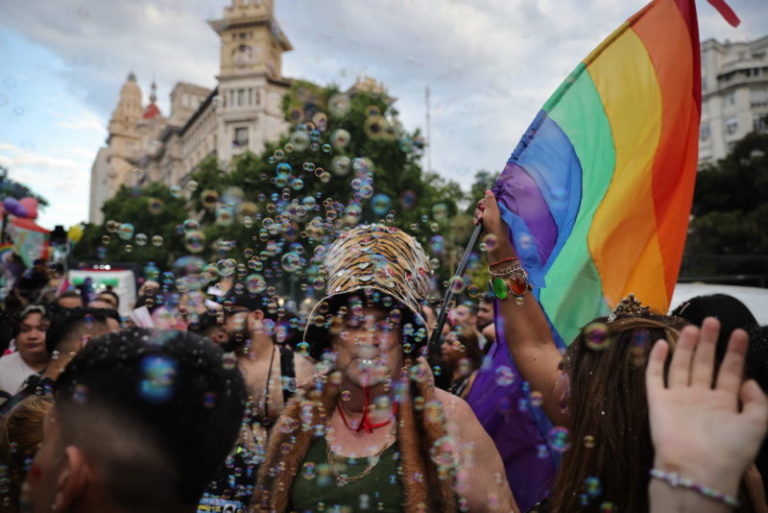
(226, 401)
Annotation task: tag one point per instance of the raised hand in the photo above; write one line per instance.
(487, 212)
(698, 429)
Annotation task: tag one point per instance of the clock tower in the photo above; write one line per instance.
(251, 40)
(251, 85)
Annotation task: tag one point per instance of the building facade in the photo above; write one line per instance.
(241, 113)
(734, 86)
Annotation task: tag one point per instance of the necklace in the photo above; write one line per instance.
(343, 478)
(264, 418)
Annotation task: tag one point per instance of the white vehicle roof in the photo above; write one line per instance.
(755, 298)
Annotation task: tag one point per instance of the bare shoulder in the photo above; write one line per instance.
(305, 369)
(454, 407)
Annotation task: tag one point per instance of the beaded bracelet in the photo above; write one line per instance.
(504, 260)
(676, 481)
(505, 270)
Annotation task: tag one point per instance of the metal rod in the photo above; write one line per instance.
(435, 339)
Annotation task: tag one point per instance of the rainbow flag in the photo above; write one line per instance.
(598, 192)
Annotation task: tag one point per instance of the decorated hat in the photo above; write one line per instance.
(370, 260)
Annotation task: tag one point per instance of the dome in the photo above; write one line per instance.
(152, 111)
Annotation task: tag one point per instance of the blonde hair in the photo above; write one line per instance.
(21, 433)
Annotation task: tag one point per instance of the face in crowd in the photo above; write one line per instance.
(484, 314)
(31, 338)
(367, 346)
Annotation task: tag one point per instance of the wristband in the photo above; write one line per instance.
(676, 481)
(504, 260)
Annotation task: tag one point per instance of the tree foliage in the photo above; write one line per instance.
(151, 215)
(13, 189)
(730, 209)
(346, 160)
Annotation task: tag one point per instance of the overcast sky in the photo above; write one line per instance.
(490, 65)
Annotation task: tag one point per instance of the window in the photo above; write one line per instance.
(730, 98)
(240, 97)
(760, 124)
(731, 126)
(241, 137)
(250, 96)
(704, 132)
(759, 97)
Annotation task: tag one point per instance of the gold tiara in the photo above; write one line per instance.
(629, 307)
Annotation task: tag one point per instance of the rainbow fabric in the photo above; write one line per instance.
(598, 192)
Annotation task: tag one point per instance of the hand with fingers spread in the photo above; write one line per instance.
(698, 428)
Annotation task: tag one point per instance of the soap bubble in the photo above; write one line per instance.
(339, 104)
(558, 439)
(505, 376)
(439, 211)
(125, 232)
(155, 206)
(340, 138)
(593, 486)
(381, 204)
(194, 241)
(255, 283)
(437, 244)
(226, 267)
(158, 377)
(290, 262)
(300, 140)
(596, 336)
(408, 199)
(191, 225)
(341, 165)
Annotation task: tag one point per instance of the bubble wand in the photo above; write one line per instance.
(435, 338)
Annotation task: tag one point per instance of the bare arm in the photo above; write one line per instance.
(754, 484)
(525, 326)
(482, 480)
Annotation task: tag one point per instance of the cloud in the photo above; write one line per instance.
(88, 123)
(15, 157)
(62, 181)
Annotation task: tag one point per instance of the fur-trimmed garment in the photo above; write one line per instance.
(426, 490)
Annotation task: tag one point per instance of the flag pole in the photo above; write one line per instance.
(435, 338)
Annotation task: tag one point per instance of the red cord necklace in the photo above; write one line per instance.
(365, 422)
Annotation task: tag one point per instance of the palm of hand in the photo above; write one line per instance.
(699, 431)
(692, 427)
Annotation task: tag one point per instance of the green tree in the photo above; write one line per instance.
(484, 180)
(141, 226)
(345, 160)
(730, 205)
(13, 189)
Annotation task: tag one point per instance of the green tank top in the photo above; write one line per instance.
(315, 488)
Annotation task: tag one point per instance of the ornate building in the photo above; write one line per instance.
(734, 86)
(241, 113)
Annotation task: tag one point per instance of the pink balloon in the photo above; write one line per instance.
(30, 205)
